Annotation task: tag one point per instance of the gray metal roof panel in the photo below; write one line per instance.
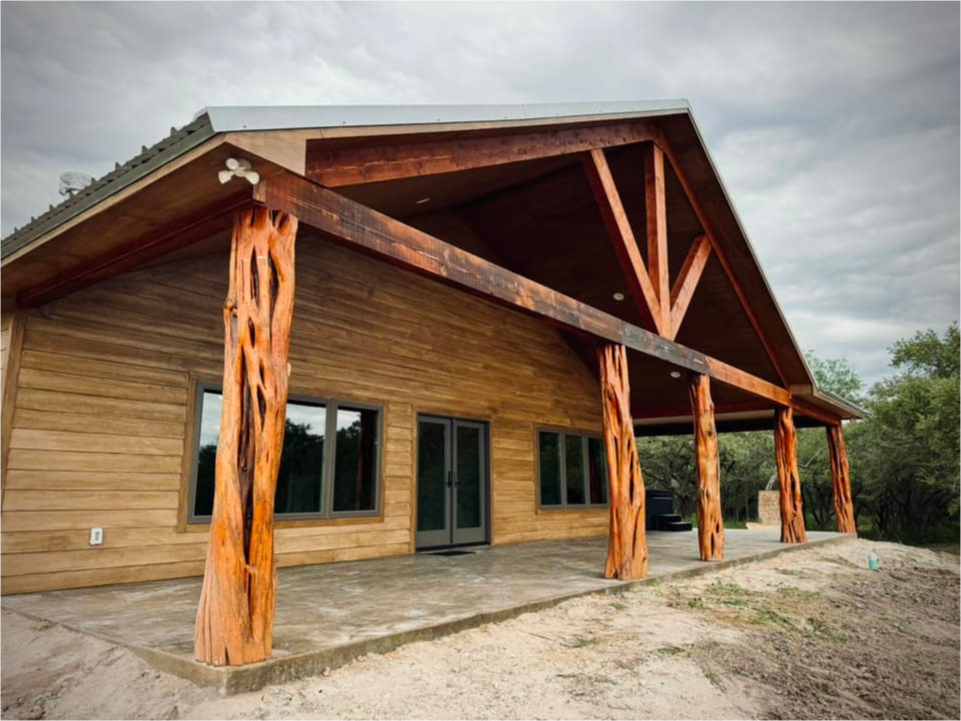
(232, 119)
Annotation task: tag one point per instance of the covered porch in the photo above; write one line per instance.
(330, 614)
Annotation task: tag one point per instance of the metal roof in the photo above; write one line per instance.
(233, 119)
(212, 120)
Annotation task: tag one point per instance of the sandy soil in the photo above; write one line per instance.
(812, 634)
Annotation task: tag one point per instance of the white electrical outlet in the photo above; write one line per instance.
(96, 536)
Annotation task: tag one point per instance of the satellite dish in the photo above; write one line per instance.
(73, 182)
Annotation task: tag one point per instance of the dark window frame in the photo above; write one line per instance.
(331, 406)
(563, 433)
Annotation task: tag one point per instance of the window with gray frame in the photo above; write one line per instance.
(329, 466)
(571, 470)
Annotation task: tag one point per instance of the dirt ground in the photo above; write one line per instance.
(812, 634)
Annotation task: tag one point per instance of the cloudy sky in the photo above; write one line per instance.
(835, 126)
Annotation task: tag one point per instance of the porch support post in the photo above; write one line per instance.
(789, 479)
(236, 612)
(710, 524)
(627, 544)
(840, 475)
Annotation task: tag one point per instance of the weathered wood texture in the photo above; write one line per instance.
(235, 616)
(710, 523)
(789, 478)
(841, 477)
(98, 431)
(627, 545)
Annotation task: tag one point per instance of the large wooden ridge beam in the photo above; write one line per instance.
(710, 524)
(841, 478)
(352, 166)
(789, 478)
(627, 557)
(235, 617)
(357, 226)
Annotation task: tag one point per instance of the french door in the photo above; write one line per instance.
(452, 482)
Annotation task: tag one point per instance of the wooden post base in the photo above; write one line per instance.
(236, 613)
(789, 478)
(710, 524)
(627, 546)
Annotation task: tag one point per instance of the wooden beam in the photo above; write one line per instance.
(709, 231)
(622, 237)
(355, 165)
(789, 478)
(656, 208)
(687, 280)
(136, 252)
(841, 480)
(627, 557)
(235, 616)
(710, 523)
(806, 408)
(352, 224)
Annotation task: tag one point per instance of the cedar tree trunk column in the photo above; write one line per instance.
(789, 479)
(627, 544)
(840, 475)
(236, 614)
(710, 524)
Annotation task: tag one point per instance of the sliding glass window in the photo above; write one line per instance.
(328, 468)
(572, 470)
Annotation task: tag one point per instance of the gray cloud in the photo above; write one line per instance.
(835, 126)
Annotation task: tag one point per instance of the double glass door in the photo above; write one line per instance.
(451, 482)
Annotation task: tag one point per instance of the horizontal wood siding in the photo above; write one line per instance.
(102, 408)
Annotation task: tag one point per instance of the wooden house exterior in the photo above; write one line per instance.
(468, 282)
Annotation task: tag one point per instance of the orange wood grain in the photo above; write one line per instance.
(789, 478)
(235, 615)
(841, 479)
(627, 556)
(710, 523)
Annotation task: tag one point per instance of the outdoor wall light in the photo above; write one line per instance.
(675, 374)
(240, 168)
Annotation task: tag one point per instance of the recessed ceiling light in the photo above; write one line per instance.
(618, 296)
(422, 201)
(675, 374)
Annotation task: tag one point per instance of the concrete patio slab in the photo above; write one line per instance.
(328, 615)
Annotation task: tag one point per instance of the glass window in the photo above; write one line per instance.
(313, 429)
(301, 477)
(597, 470)
(550, 468)
(572, 469)
(355, 460)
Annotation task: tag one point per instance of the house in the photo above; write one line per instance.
(487, 303)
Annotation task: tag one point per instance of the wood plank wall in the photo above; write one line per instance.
(102, 410)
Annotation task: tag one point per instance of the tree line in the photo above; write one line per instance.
(904, 455)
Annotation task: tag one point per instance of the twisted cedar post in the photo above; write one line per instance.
(840, 475)
(710, 524)
(236, 613)
(789, 479)
(627, 544)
